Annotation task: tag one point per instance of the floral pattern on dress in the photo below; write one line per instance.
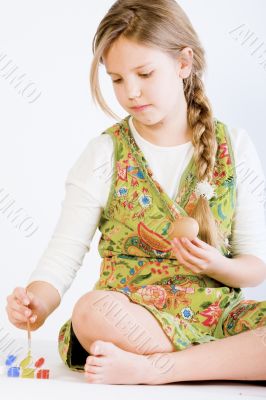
(137, 258)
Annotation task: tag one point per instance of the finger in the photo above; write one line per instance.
(183, 262)
(20, 294)
(17, 316)
(177, 254)
(20, 325)
(193, 249)
(200, 243)
(186, 255)
(14, 306)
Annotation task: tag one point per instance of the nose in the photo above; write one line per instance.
(134, 95)
(133, 91)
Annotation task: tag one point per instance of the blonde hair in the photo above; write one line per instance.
(164, 25)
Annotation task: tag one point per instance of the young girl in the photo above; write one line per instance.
(161, 311)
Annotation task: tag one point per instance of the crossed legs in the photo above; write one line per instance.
(112, 317)
(104, 323)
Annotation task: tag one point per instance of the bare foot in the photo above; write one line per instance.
(108, 364)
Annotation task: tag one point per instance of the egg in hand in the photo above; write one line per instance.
(184, 227)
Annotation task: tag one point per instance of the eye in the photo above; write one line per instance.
(117, 81)
(146, 75)
(142, 75)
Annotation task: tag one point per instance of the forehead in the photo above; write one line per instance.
(128, 54)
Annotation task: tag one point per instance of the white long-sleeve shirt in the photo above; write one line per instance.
(87, 189)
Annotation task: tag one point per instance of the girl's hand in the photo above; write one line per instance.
(23, 305)
(197, 255)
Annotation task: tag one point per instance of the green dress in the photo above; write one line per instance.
(137, 257)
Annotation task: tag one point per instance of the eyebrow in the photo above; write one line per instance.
(133, 69)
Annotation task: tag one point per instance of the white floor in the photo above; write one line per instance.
(67, 384)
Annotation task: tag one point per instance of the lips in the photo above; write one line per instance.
(140, 108)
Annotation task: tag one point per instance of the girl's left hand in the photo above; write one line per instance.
(197, 255)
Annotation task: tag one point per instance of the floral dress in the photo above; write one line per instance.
(137, 256)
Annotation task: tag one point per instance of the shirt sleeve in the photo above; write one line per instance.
(86, 192)
(248, 228)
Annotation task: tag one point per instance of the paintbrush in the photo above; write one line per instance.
(29, 336)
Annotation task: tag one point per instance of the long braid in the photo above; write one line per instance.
(200, 119)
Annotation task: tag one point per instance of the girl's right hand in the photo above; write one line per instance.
(22, 305)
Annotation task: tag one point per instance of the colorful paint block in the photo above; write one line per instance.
(43, 374)
(13, 372)
(24, 370)
(27, 373)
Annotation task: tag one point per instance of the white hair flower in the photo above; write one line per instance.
(204, 189)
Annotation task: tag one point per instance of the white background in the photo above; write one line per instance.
(51, 43)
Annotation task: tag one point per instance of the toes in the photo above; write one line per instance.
(99, 347)
(93, 378)
(93, 369)
(96, 361)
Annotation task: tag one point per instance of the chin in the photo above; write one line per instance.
(152, 121)
(148, 120)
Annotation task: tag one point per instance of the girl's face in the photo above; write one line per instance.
(144, 76)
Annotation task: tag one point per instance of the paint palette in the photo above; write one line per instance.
(25, 369)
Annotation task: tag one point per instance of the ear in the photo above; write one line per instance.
(185, 62)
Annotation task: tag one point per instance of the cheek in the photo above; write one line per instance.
(151, 91)
(162, 88)
(119, 93)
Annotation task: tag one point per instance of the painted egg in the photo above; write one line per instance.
(184, 227)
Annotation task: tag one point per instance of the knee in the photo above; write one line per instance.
(84, 307)
(91, 308)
